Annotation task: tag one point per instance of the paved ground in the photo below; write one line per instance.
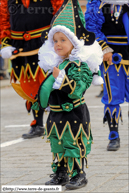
(28, 162)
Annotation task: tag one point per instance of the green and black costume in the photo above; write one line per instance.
(68, 124)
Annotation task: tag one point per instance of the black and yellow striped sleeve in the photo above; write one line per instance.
(103, 44)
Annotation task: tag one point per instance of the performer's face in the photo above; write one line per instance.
(62, 45)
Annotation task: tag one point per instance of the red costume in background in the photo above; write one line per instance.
(22, 24)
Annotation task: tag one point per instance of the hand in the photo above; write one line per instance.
(108, 57)
(7, 51)
(55, 72)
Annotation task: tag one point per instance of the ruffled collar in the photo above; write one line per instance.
(48, 58)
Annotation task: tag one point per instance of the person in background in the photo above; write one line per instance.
(1, 66)
(22, 22)
(109, 20)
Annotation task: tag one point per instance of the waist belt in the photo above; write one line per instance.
(28, 35)
(67, 106)
(117, 40)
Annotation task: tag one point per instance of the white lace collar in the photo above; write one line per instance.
(48, 59)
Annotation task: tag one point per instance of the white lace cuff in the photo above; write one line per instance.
(107, 50)
(59, 79)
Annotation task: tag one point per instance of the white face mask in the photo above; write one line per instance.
(116, 2)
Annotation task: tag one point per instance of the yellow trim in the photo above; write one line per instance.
(21, 73)
(73, 88)
(78, 64)
(81, 148)
(36, 35)
(78, 162)
(105, 47)
(101, 5)
(108, 84)
(16, 37)
(103, 44)
(116, 119)
(126, 70)
(26, 71)
(105, 68)
(79, 103)
(14, 33)
(114, 111)
(67, 83)
(31, 33)
(117, 37)
(100, 41)
(67, 124)
(39, 30)
(62, 83)
(124, 62)
(78, 100)
(117, 42)
(109, 111)
(117, 67)
(118, 116)
(83, 145)
(58, 158)
(70, 170)
(21, 38)
(53, 156)
(58, 108)
(54, 106)
(30, 71)
(21, 93)
(66, 64)
(119, 10)
(3, 42)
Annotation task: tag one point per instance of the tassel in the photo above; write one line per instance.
(59, 142)
(36, 113)
(74, 143)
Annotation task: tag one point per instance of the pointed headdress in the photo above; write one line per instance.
(70, 21)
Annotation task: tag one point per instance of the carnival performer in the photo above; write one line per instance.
(23, 21)
(109, 20)
(65, 55)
